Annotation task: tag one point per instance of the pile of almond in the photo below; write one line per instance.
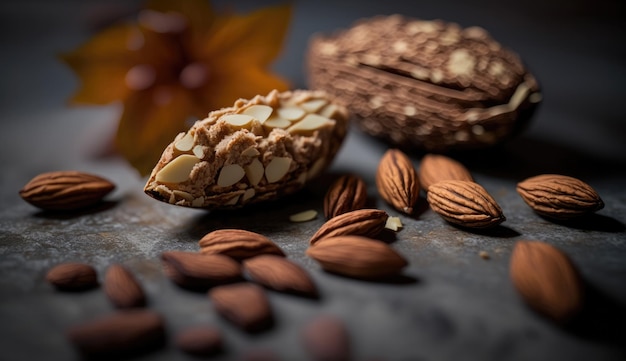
(236, 267)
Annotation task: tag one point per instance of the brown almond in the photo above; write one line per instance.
(72, 276)
(65, 190)
(326, 338)
(357, 257)
(436, 167)
(280, 274)
(347, 193)
(243, 304)
(362, 222)
(238, 244)
(559, 197)
(397, 181)
(200, 271)
(200, 340)
(124, 333)
(464, 203)
(122, 288)
(546, 279)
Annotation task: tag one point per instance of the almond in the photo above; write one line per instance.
(347, 193)
(238, 244)
(546, 279)
(122, 288)
(397, 180)
(464, 203)
(123, 333)
(72, 276)
(200, 271)
(558, 196)
(280, 274)
(435, 168)
(65, 190)
(362, 222)
(326, 338)
(243, 304)
(357, 257)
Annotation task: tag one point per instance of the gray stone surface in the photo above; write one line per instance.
(450, 303)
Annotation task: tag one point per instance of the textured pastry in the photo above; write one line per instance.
(259, 149)
(424, 84)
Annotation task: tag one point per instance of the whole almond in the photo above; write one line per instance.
(122, 288)
(464, 203)
(357, 257)
(72, 276)
(436, 167)
(243, 304)
(546, 279)
(362, 222)
(124, 333)
(347, 193)
(280, 274)
(200, 271)
(326, 338)
(200, 340)
(397, 181)
(238, 244)
(65, 190)
(558, 196)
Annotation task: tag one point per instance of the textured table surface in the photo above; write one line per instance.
(450, 304)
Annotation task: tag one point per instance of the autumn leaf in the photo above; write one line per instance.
(177, 61)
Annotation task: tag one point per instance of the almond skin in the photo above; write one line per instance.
(200, 271)
(546, 279)
(72, 276)
(347, 193)
(397, 181)
(122, 288)
(326, 338)
(357, 257)
(243, 304)
(123, 333)
(558, 196)
(238, 244)
(65, 190)
(436, 167)
(280, 274)
(200, 340)
(362, 222)
(466, 204)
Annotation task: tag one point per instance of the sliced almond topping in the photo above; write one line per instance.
(232, 201)
(260, 112)
(291, 113)
(393, 223)
(329, 111)
(313, 106)
(254, 172)
(230, 175)
(177, 170)
(249, 193)
(238, 120)
(310, 123)
(185, 143)
(277, 168)
(182, 194)
(304, 216)
(198, 202)
(198, 151)
(250, 152)
(276, 122)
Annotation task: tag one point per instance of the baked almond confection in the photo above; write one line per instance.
(424, 84)
(256, 150)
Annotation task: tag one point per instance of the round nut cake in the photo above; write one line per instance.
(431, 85)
